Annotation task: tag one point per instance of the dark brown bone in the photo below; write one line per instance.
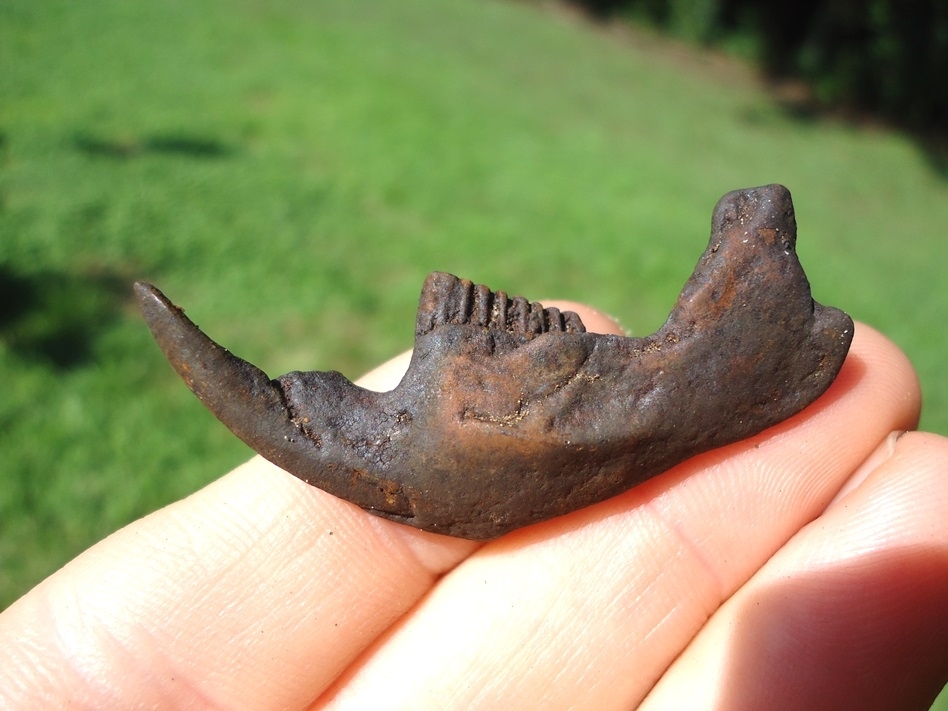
(511, 414)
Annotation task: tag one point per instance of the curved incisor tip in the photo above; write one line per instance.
(238, 393)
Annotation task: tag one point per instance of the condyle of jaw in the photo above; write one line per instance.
(511, 414)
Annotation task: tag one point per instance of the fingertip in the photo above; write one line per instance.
(880, 354)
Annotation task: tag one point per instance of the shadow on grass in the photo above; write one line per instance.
(794, 99)
(56, 318)
(935, 150)
(197, 147)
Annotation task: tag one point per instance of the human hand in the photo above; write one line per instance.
(806, 567)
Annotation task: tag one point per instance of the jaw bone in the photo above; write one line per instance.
(511, 414)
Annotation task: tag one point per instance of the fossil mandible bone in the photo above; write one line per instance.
(511, 414)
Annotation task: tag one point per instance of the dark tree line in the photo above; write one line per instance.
(889, 57)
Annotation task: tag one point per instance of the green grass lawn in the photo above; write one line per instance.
(292, 170)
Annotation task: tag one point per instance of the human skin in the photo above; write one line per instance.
(806, 567)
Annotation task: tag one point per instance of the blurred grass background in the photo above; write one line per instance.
(291, 170)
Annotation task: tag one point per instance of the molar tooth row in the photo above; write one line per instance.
(447, 299)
